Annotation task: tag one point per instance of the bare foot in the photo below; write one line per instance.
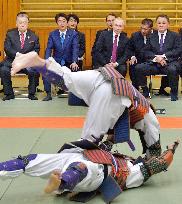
(54, 182)
(22, 61)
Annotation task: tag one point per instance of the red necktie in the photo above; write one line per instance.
(114, 49)
(22, 39)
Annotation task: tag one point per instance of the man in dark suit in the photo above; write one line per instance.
(162, 53)
(63, 46)
(135, 47)
(136, 44)
(111, 48)
(73, 21)
(109, 22)
(19, 40)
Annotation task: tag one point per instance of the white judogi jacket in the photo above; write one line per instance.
(105, 108)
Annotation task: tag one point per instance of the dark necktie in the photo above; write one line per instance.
(22, 39)
(161, 43)
(114, 49)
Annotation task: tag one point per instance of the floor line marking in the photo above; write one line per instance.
(69, 122)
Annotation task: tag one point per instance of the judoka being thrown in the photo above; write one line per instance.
(108, 96)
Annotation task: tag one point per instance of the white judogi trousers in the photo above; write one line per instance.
(105, 108)
(44, 164)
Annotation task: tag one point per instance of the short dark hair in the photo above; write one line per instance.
(61, 15)
(74, 16)
(111, 14)
(147, 21)
(22, 14)
(163, 16)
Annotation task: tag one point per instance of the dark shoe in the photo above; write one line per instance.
(146, 92)
(174, 97)
(8, 97)
(162, 92)
(60, 91)
(47, 98)
(32, 97)
(39, 90)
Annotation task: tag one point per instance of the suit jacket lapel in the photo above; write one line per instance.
(17, 39)
(28, 35)
(156, 40)
(120, 42)
(141, 38)
(57, 38)
(167, 39)
(110, 40)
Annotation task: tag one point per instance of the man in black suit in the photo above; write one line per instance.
(109, 22)
(135, 47)
(19, 40)
(162, 53)
(111, 47)
(73, 21)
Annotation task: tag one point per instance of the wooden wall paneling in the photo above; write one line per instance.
(93, 32)
(1, 12)
(40, 33)
(8, 12)
(4, 23)
(43, 34)
(130, 30)
(13, 9)
(88, 48)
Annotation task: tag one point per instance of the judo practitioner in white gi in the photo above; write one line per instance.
(105, 107)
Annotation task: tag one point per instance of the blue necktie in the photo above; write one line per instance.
(62, 43)
(62, 39)
(161, 43)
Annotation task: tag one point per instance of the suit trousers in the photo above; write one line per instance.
(171, 70)
(47, 84)
(7, 83)
(122, 69)
(132, 73)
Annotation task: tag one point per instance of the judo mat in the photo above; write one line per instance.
(42, 127)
